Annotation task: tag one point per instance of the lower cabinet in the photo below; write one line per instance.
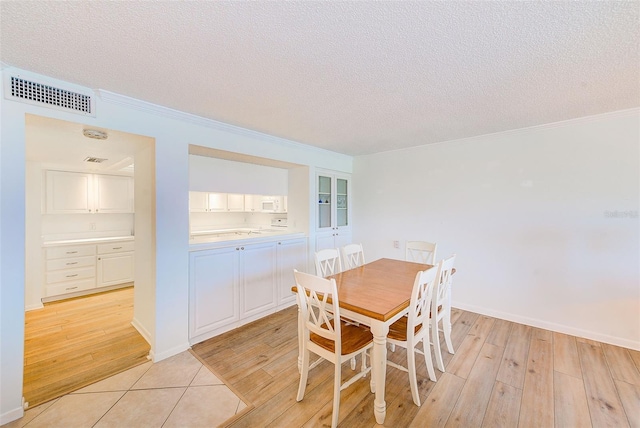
(231, 286)
(83, 268)
(292, 254)
(214, 289)
(257, 278)
(334, 239)
(115, 269)
(69, 269)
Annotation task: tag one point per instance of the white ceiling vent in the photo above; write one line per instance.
(95, 160)
(41, 94)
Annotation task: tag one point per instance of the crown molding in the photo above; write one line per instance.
(147, 107)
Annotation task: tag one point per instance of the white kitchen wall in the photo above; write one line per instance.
(79, 225)
(220, 175)
(208, 221)
(544, 221)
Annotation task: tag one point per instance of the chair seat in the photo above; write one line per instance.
(354, 338)
(398, 330)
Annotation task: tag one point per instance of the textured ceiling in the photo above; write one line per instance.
(353, 77)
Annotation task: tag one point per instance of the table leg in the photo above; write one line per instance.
(379, 368)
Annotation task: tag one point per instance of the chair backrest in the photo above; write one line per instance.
(421, 252)
(421, 297)
(318, 302)
(443, 281)
(328, 262)
(352, 256)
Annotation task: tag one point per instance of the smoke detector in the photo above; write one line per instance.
(94, 133)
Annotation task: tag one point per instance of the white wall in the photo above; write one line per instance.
(173, 132)
(220, 175)
(529, 214)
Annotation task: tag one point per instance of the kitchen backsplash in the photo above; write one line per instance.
(210, 221)
(86, 225)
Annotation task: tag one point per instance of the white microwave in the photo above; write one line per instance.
(270, 205)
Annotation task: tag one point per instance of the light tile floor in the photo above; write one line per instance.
(176, 392)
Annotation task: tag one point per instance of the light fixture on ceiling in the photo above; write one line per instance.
(92, 159)
(95, 133)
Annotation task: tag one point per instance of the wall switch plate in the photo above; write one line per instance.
(396, 244)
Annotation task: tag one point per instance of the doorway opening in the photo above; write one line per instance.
(93, 198)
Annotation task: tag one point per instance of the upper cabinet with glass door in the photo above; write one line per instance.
(333, 201)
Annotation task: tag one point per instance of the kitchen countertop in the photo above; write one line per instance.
(87, 240)
(229, 237)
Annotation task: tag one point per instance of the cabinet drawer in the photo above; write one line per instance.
(70, 274)
(70, 287)
(70, 263)
(116, 247)
(70, 251)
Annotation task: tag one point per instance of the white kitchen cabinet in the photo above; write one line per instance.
(74, 192)
(333, 213)
(235, 202)
(113, 194)
(214, 290)
(207, 202)
(87, 267)
(257, 278)
(69, 269)
(252, 203)
(230, 286)
(217, 202)
(291, 254)
(198, 202)
(115, 263)
(68, 193)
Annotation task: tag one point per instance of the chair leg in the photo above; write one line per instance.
(411, 368)
(337, 377)
(426, 350)
(435, 338)
(446, 327)
(304, 373)
(353, 363)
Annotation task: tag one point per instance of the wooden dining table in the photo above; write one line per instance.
(377, 294)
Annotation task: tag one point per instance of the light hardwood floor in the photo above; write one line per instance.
(72, 343)
(502, 375)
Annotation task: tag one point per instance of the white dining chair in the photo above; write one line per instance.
(441, 309)
(328, 262)
(421, 252)
(352, 256)
(335, 342)
(408, 332)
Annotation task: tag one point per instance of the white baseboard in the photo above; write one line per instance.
(11, 415)
(143, 331)
(559, 328)
(33, 307)
(169, 352)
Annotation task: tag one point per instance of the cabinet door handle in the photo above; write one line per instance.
(71, 252)
(117, 248)
(71, 288)
(72, 263)
(71, 276)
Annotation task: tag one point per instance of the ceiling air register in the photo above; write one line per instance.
(41, 94)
